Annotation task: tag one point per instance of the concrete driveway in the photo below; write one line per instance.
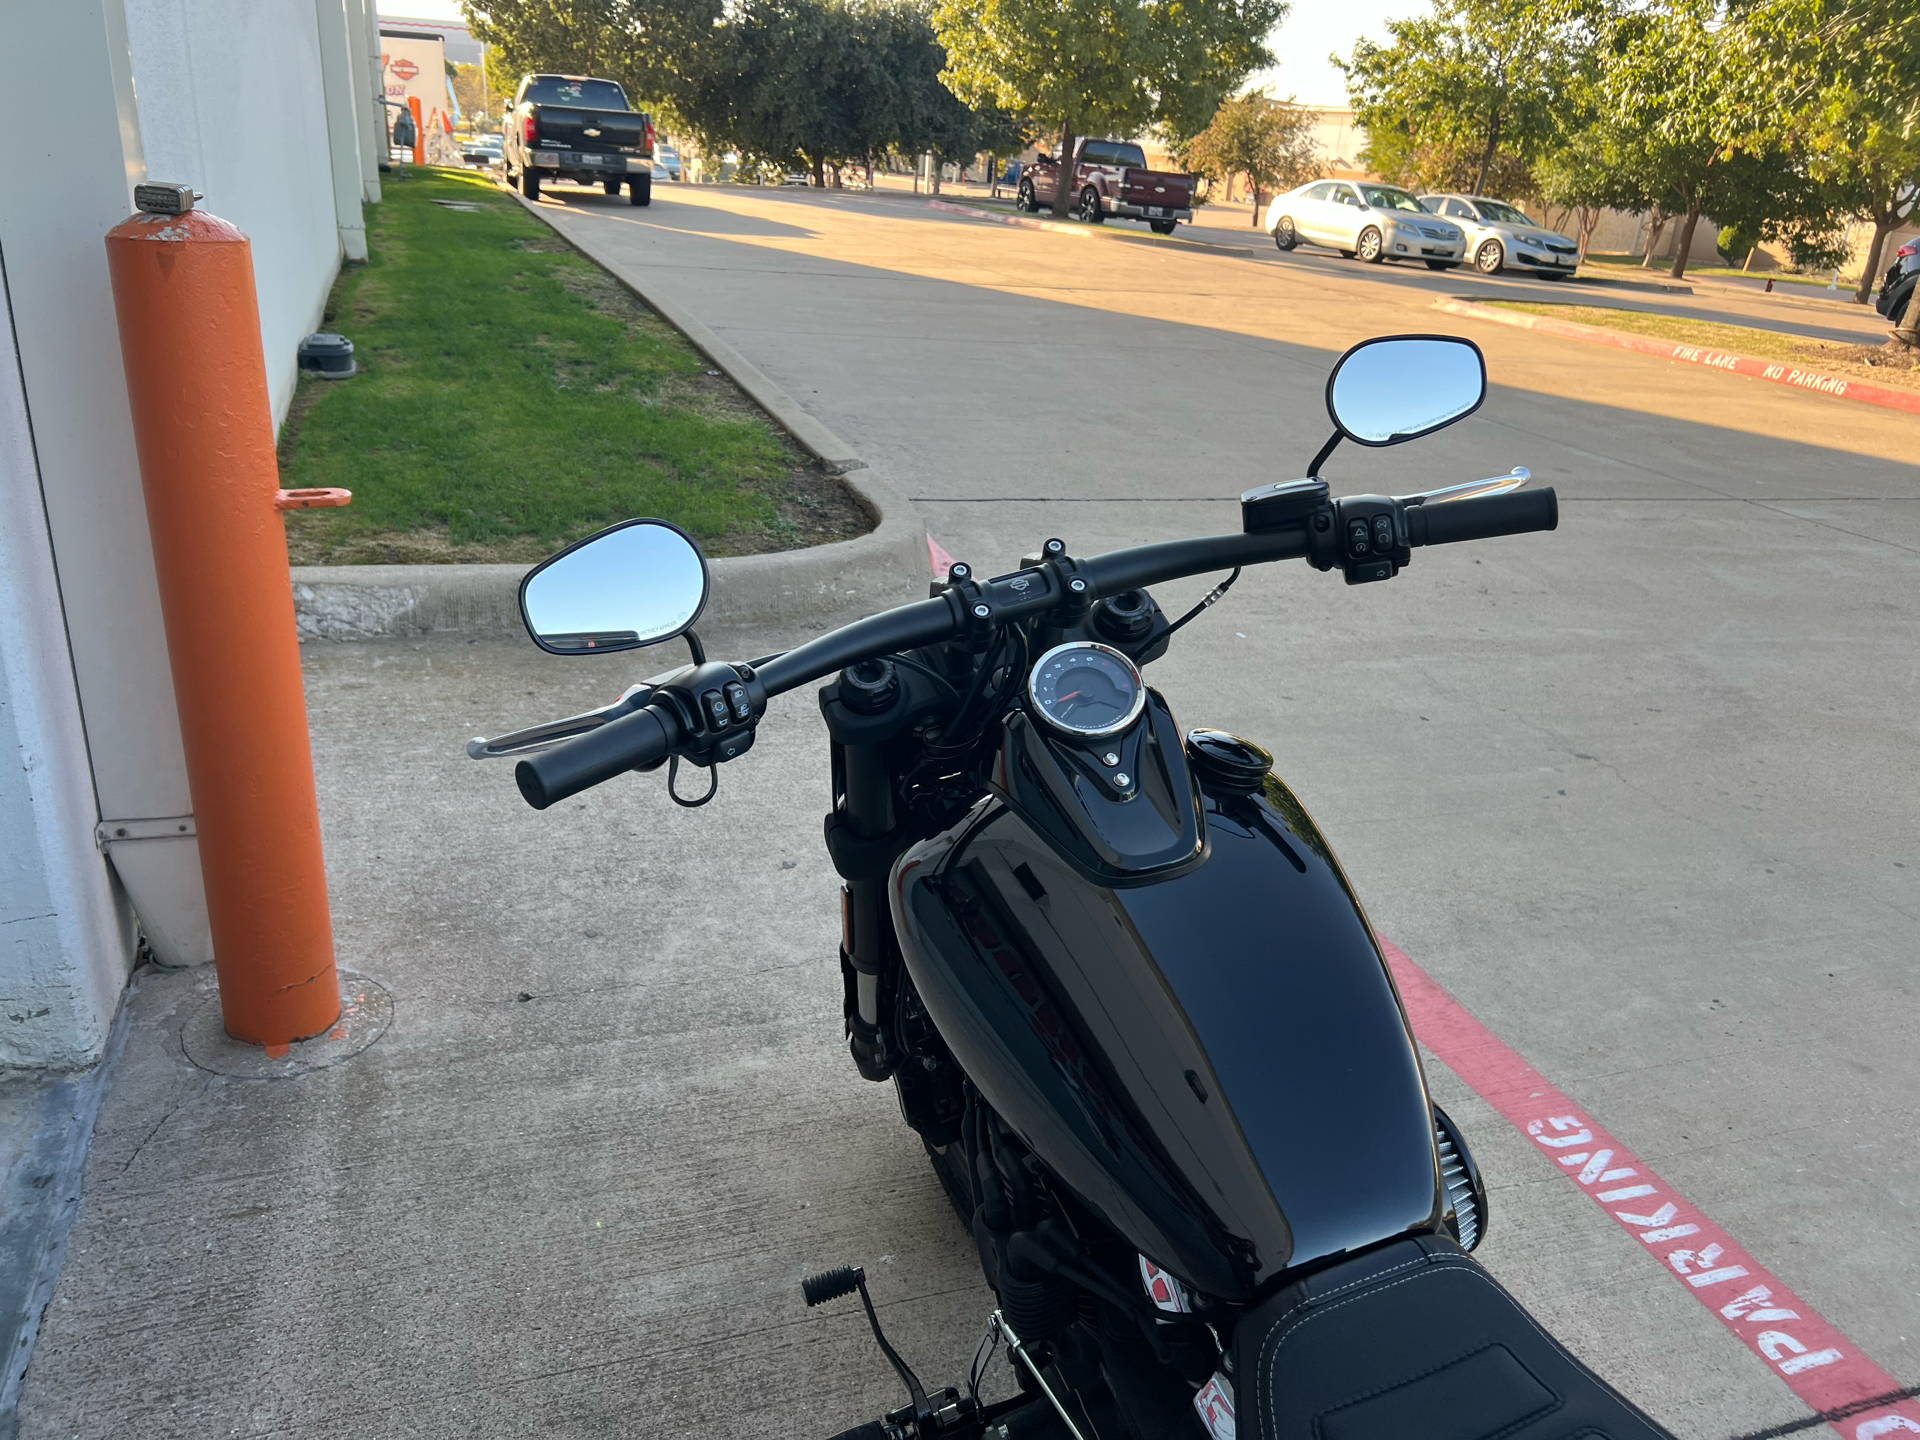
(1641, 794)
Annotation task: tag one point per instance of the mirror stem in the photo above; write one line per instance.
(696, 649)
(1313, 470)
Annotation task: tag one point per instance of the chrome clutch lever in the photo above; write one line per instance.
(1471, 489)
(551, 732)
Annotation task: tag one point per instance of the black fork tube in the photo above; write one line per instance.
(867, 807)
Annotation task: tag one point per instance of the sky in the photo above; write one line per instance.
(1315, 28)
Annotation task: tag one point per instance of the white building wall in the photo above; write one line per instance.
(66, 448)
(228, 96)
(232, 102)
(67, 935)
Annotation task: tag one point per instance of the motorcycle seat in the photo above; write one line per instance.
(1415, 1341)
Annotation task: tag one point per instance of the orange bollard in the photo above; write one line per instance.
(203, 426)
(419, 131)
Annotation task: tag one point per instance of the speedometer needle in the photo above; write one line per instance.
(1062, 699)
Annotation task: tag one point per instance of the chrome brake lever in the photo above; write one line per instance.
(551, 732)
(1471, 489)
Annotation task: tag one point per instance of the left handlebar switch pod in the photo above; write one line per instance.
(705, 714)
(718, 705)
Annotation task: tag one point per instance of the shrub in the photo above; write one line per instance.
(1736, 242)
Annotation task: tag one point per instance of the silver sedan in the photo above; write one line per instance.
(1499, 235)
(1358, 217)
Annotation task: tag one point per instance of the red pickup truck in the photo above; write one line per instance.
(1110, 177)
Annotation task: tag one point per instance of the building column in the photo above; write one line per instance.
(343, 129)
(363, 47)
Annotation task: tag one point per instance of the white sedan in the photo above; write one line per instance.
(1359, 217)
(1498, 236)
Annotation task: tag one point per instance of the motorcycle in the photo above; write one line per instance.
(1124, 991)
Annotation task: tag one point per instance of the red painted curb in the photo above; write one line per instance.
(1815, 1361)
(1777, 371)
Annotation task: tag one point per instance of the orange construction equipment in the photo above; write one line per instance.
(419, 131)
(197, 382)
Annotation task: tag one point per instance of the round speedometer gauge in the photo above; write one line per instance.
(1086, 690)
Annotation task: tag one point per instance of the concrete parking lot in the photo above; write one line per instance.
(1640, 793)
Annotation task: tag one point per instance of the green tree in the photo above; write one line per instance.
(1677, 94)
(482, 90)
(1472, 95)
(1089, 67)
(1585, 176)
(647, 45)
(1850, 71)
(1268, 141)
(819, 83)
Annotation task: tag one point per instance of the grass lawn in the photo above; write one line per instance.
(1661, 267)
(1859, 362)
(513, 396)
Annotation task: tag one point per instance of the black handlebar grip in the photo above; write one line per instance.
(619, 745)
(1451, 521)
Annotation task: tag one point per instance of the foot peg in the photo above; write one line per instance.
(832, 1284)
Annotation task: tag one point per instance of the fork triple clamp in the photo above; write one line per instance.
(973, 612)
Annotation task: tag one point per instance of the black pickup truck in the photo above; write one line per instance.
(573, 127)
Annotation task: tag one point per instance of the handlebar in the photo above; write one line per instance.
(1483, 519)
(650, 735)
(645, 737)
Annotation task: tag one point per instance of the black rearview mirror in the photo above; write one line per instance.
(636, 583)
(1400, 387)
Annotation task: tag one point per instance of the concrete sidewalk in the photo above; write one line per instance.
(1640, 794)
(575, 1186)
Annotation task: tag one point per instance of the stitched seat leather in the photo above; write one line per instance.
(1415, 1341)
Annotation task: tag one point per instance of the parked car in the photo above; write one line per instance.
(1358, 217)
(1896, 290)
(1499, 235)
(667, 158)
(574, 127)
(1111, 178)
(481, 150)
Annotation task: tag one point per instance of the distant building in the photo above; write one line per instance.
(461, 48)
(1340, 141)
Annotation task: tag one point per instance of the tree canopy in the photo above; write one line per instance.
(1842, 78)
(1470, 97)
(647, 45)
(1105, 67)
(782, 82)
(1268, 141)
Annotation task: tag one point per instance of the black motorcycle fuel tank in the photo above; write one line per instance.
(1208, 1051)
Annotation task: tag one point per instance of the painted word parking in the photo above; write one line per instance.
(1772, 1321)
(1818, 1363)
